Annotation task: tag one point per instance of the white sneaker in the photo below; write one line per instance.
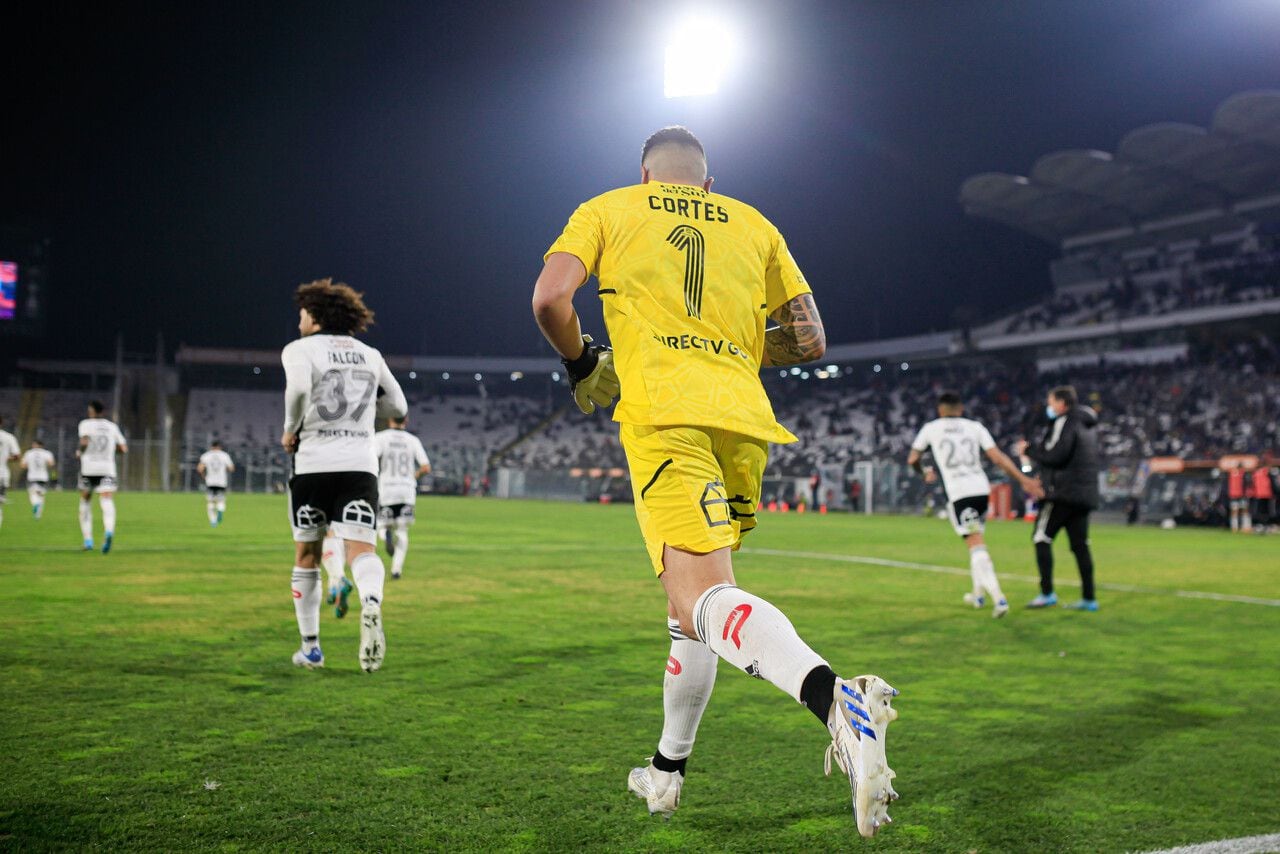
(974, 600)
(860, 714)
(1001, 608)
(373, 643)
(660, 789)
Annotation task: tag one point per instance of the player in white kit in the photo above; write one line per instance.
(99, 441)
(214, 466)
(38, 464)
(336, 388)
(9, 450)
(402, 460)
(958, 444)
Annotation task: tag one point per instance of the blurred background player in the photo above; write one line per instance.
(214, 466)
(1238, 499)
(1264, 499)
(39, 465)
(333, 557)
(335, 387)
(9, 451)
(958, 444)
(402, 460)
(1067, 454)
(688, 279)
(100, 439)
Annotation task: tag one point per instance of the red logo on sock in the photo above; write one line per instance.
(737, 617)
(297, 594)
(673, 666)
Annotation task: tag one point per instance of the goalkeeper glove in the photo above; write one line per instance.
(592, 379)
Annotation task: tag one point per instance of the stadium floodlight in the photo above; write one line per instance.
(413, 375)
(698, 53)
(445, 375)
(876, 369)
(905, 366)
(555, 376)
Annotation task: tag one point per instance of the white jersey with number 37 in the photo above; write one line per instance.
(332, 402)
(958, 446)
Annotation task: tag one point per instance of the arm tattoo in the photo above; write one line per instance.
(799, 336)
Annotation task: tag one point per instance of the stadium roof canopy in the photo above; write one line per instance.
(1160, 175)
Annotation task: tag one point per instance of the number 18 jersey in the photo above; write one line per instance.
(958, 446)
(331, 402)
(687, 278)
(400, 455)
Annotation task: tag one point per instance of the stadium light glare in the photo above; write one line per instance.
(257, 371)
(413, 375)
(876, 369)
(517, 375)
(905, 366)
(795, 372)
(699, 51)
(479, 377)
(804, 375)
(445, 375)
(555, 376)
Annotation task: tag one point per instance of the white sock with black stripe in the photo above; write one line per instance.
(686, 688)
(983, 570)
(753, 635)
(369, 575)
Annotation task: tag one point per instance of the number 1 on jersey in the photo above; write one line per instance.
(690, 241)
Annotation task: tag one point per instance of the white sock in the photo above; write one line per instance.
(369, 573)
(108, 514)
(86, 519)
(983, 568)
(975, 576)
(210, 512)
(332, 557)
(1247, 522)
(1235, 521)
(754, 636)
(686, 688)
(306, 603)
(402, 549)
(222, 506)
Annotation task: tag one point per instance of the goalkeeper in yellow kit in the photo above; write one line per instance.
(688, 278)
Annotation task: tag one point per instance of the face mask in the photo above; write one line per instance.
(1049, 413)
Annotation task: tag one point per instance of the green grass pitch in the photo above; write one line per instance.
(150, 702)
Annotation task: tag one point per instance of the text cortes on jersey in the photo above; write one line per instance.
(689, 208)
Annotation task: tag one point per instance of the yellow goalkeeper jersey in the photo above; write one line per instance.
(687, 278)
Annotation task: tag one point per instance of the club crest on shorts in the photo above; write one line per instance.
(359, 512)
(308, 517)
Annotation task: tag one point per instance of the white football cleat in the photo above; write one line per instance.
(660, 789)
(373, 643)
(974, 600)
(1001, 608)
(860, 714)
(309, 659)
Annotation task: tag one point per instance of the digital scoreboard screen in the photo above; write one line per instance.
(8, 289)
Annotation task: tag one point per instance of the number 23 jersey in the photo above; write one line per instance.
(331, 402)
(687, 278)
(958, 446)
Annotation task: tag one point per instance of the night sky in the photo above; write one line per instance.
(191, 166)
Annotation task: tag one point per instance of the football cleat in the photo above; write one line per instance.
(343, 591)
(310, 660)
(1083, 605)
(1044, 600)
(1001, 608)
(373, 643)
(106, 541)
(395, 576)
(88, 545)
(660, 789)
(975, 600)
(860, 714)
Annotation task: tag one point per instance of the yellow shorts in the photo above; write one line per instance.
(696, 488)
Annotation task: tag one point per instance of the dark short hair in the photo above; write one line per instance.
(96, 406)
(1065, 393)
(337, 307)
(39, 442)
(671, 135)
(950, 398)
(215, 444)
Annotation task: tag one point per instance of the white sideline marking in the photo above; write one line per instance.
(1267, 844)
(953, 570)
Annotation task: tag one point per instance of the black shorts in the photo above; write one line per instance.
(1056, 515)
(97, 483)
(968, 515)
(215, 491)
(397, 513)
(345, 502)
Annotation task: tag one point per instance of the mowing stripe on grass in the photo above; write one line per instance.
(955, 570)
(1244, 845)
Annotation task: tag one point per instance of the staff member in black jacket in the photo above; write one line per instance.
(1068, 458)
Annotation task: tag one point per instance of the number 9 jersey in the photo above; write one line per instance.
(687, 278)
(336, 389)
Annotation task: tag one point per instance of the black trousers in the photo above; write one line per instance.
(1052, 518)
